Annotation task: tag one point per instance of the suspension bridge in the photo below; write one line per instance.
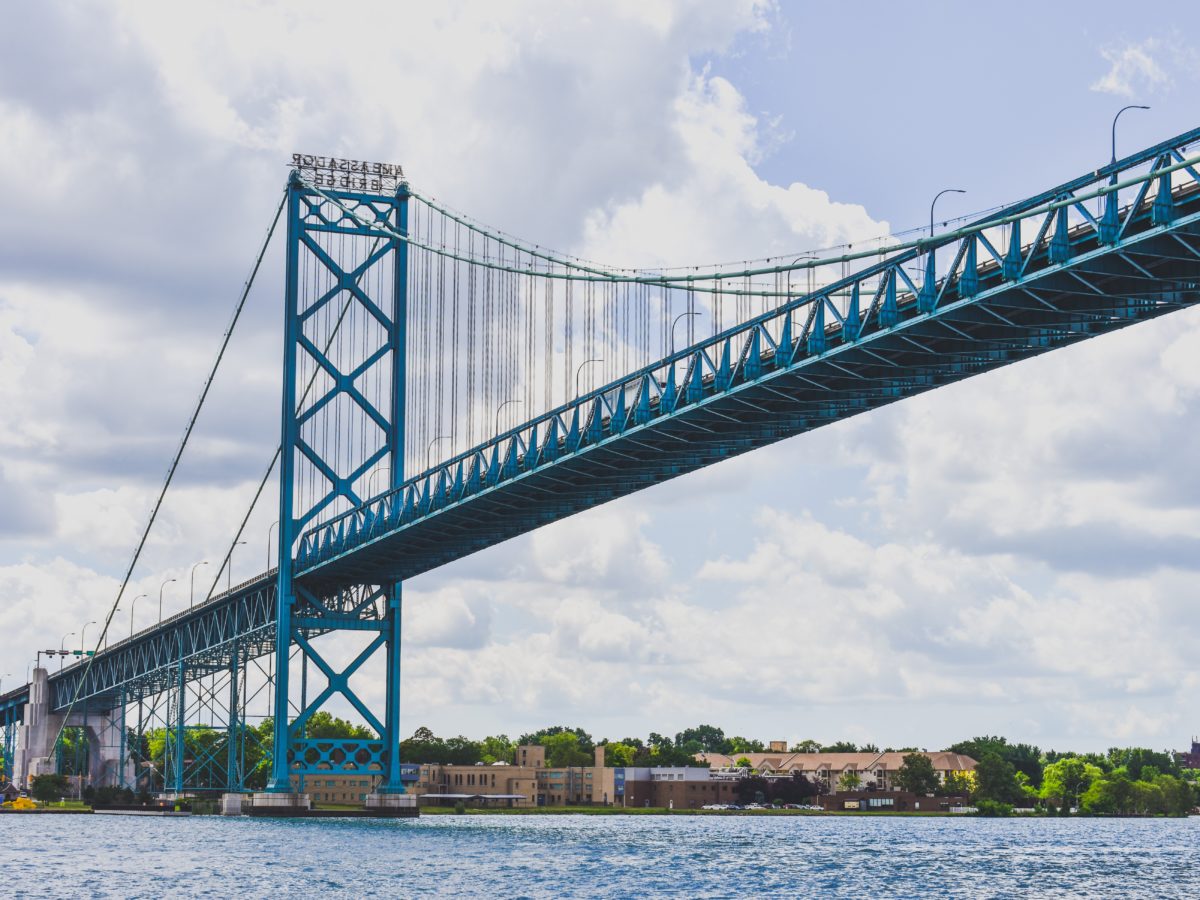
(447, 386)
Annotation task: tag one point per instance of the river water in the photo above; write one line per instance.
(599, 856)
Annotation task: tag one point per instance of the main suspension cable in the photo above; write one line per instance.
(137, 553)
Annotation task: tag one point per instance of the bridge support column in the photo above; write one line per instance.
(233, 733)
(108, 763)
(180, 720)
(280, 780)
(34, 753)
(391, 784)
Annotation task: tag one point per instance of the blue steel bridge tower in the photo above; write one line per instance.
(343, 423)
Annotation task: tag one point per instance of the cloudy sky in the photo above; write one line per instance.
(1016, 554)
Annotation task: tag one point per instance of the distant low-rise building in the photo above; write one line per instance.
(676, 787)
(874, 770)
(347, 788)
(531, 782)
(1190, 759)
(887, 801)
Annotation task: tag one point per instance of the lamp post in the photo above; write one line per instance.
(579, 369)
(160, 595)
(682, 315)
(229, 569)
(498, 411)
(269, 530)
(192, 583)
(441, 437)
(131, 607)
(371, 478)
(83, 638)
(62, 649)
(1114, 132)
(934, 203)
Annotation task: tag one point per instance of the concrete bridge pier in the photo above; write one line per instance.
(109, 764)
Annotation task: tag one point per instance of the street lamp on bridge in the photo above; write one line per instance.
(580, 369)
(192, 584)
(506, 403)
(676, 322)
(160, 593)
(83, 638)
(229, 570)
(1114, 133)
(131, 606)
(62, 649)
(934, 203)
(429, 447)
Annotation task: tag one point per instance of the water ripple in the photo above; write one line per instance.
(597, 856)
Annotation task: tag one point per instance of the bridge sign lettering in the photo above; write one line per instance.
(347, 174)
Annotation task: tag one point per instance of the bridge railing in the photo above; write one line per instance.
(881, 290)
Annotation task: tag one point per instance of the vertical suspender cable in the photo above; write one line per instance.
(137, 553)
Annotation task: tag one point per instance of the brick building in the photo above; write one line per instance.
(875, 770)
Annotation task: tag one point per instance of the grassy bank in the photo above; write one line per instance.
(658, 811)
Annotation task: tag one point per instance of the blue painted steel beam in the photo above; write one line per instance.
(1078, 288)
(747, 388)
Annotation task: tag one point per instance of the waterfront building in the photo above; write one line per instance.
(677, 787)
(530, 782)
(891, 801)
(876, 770)
(347, 788)
(1190, 759)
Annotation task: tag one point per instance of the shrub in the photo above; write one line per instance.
(993, 808)
(48, 788)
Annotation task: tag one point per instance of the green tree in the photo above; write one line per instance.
(916, 775)
(743, 762)
(1109, 795)
(48, 788)
(585, 741)
(497, 748)
(753, 789)
(563, 749)
(1134, 759)
(958, 784)
(840, 747)
(620, 754)
(326, 726)
(1178, 796)
(744, 745)
(425, 747)
(1022, 757)
(849, 781)
(710, 738)
(797, 789)
(996, 780)
(663, 752)
(808, 745)
(1065, 780)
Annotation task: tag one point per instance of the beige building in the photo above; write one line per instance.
(338, 789)
(875, 770)
(529, 782)
(500, 784)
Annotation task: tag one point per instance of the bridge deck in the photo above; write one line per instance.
(450, 513)
(747, 388)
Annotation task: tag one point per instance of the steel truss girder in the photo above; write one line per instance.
(437, 518)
